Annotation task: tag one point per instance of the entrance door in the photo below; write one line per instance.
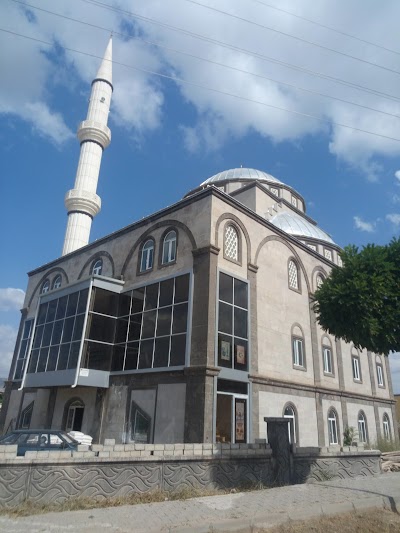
(231, 424)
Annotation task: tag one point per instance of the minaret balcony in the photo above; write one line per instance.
(84, 201)
(89, 130)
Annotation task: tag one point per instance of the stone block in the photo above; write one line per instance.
(178, 446)
(109, 442)
(9, 448)
(149, 447)
(134, 453)
(108, 448)
(129, 447)
(97, 447)
(207, 446)
(140, 447)
(120, 453)
(159, 453)
(235, 446)
(159, 447)
(119, 448)
(42, 454)
(188, 446)
(207, 452)
(188, 452)
(169, 447)
(65, 454)
(8, 456)
(82, 448)
(145, 453)
(104, 454)
(178, 453)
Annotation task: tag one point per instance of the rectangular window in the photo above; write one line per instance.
(232, 342)
(58, 333)
(379, 372)
(151, 330)
(298, 352)
(23, 349)
(356, 368)
(333, 431)
(328, 367)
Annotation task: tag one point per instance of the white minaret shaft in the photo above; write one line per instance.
(82, 202)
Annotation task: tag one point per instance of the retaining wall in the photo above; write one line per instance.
(111, 471)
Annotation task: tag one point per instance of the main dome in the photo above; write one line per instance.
(298, 226)
(241, 174)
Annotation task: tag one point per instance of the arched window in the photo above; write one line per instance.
(169, 248)
(231, 243)
(387, 433)
(45, 287)
(379, 371)
(57, 282)
(75, 416)
(146, 261)
(293, 275)
(319, 280)
(290, 413)
(362, 428)
(97, 267)
(298, 349)
(332, 427)
(327, 357)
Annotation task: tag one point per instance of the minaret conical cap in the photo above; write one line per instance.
(105, 70)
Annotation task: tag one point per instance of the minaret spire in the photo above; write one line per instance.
(82, 202)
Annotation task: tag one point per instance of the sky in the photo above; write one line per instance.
(290, 87)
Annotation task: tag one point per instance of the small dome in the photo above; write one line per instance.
(241, 174)
(294, 224)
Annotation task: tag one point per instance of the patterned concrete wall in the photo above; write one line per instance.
(54, 483)
(53, 480)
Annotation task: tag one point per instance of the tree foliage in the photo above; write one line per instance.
(360, 302)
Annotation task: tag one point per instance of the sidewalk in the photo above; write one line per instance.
(232, 512)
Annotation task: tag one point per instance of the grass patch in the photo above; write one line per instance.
(29, 508)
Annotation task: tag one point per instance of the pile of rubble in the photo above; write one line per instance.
(391, 461)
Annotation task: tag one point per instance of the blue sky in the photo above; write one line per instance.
(168, 135)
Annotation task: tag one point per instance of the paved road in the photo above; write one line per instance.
(232, 512)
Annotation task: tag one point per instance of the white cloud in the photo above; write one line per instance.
(362, 225)
(394, 362)
(11, 299)
(32, 72)
(394, 218)
(397, 175)
(8, 334)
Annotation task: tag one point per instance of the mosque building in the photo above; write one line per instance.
(192, 324)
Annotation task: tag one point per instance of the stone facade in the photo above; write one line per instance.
(228, 383)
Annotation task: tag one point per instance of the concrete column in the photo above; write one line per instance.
(371, 373)
(320, 420)
(339, 358)
(315, 347)
(253, 325)
(377, 422)
(345, 418)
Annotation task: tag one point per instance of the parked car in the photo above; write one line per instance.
(39, 440)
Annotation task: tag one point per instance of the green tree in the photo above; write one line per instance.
(360, 302)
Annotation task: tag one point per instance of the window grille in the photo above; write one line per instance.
(293, 275)
(231, 244)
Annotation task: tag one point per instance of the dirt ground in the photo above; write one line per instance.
(374, 521)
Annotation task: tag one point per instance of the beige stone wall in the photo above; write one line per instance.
(352, 413)
(272, 404)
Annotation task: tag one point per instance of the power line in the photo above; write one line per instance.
(291, 36)
(205, 87)
(224, 65)
(242, 50)
(335, 30)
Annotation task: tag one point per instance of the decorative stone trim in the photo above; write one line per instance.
(89, 130)
(83, 201)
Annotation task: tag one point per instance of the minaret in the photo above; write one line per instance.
(82, 202)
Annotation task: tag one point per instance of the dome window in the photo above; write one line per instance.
(57, 282)
(45, 287)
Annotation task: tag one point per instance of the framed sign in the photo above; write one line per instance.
(240, 354)
(225, 350)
